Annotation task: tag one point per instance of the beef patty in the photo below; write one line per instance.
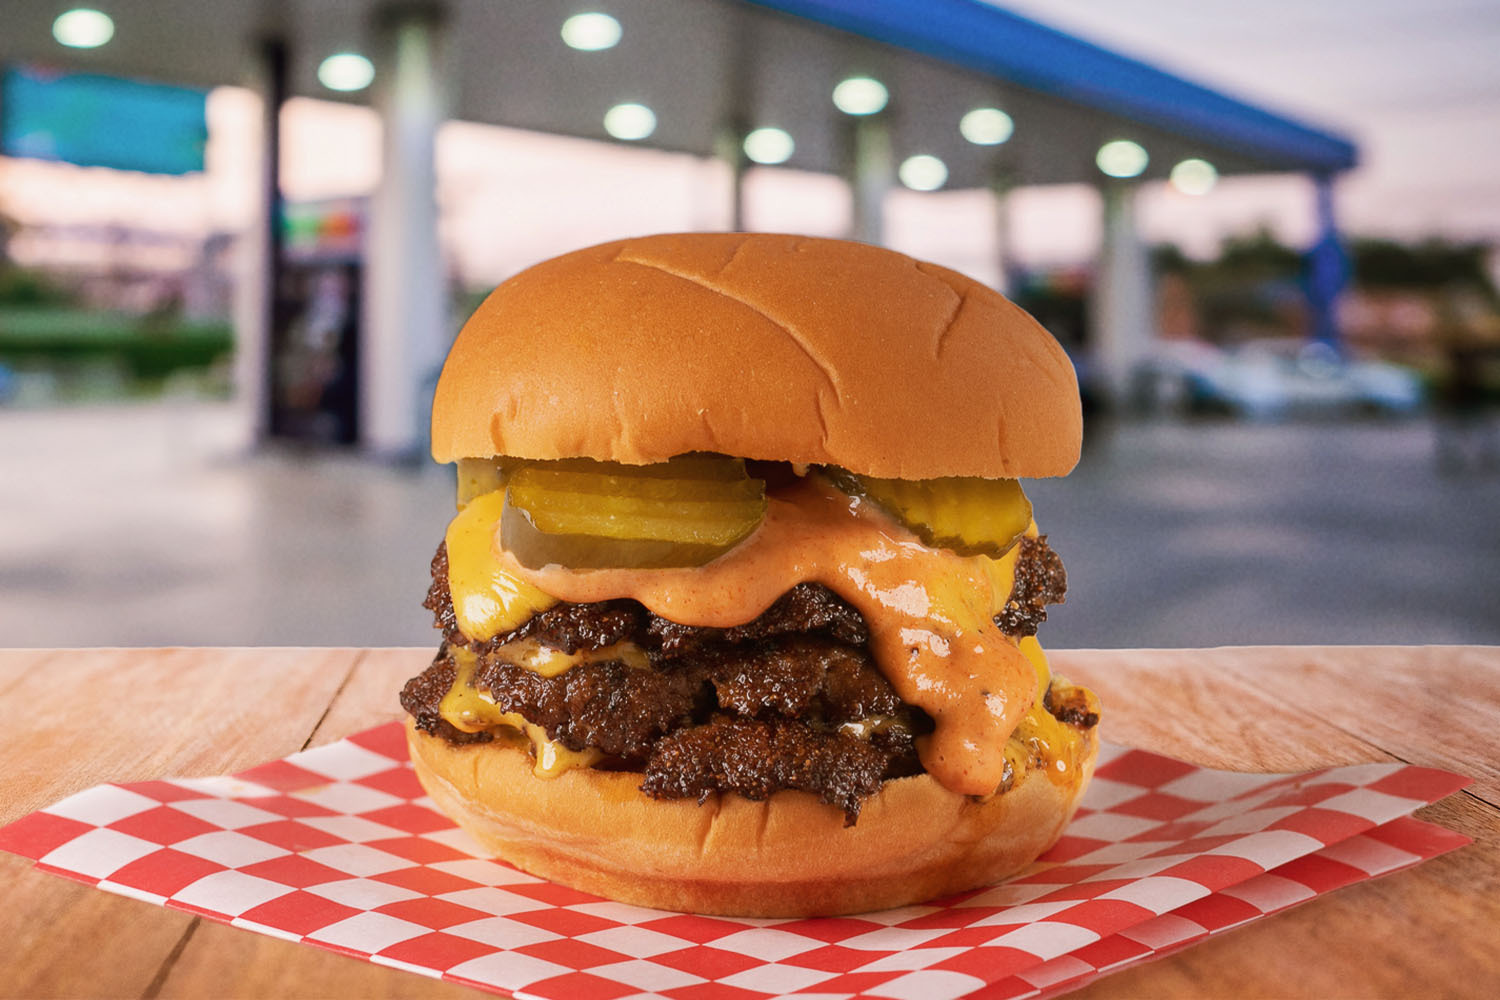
(788, 700)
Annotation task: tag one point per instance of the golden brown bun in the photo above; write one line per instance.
(772, 347)
(790, 856)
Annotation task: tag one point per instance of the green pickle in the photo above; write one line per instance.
(970, 516)
(595, 515)
(478, 476)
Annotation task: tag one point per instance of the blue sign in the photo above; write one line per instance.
(102, 121)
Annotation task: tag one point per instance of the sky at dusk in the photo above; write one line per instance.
(1416, 83)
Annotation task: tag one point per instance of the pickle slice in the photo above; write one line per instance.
(594, 515)
(478, 476)
(973, 517)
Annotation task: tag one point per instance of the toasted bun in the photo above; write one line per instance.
(771, 347)
(789, 856)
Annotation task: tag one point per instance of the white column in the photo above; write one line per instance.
(1000, 185)
(1122, 315)
(873, 172)
(729, 149)
(406, 324)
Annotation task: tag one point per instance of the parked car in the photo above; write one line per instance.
(1269, 379)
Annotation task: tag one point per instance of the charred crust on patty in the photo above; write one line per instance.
(439, 599)
(422, 698)
(1071, 706)
(807, 607)
(617, 709)
(800, 677)
(1040, 581)
(756, 759)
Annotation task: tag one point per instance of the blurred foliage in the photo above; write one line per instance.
(20, 286)
(1377, 263)
(1252, 289)
(1256, 257)
(43, 324)
(1261, 256)
(1429, 265)
(60, 336)
(1255, 285)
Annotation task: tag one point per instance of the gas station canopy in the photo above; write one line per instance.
(706, 65)
(960, 93)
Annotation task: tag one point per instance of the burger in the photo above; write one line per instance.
(739, 608)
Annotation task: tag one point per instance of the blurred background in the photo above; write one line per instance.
(236, 238)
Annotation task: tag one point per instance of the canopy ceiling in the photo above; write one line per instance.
(701, 63)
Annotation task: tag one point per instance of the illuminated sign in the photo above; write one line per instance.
(102, 121)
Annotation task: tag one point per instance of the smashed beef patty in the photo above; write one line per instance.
(1040, 581)
(750, 709)
(758, 759)
(807, 607)
(803, 688)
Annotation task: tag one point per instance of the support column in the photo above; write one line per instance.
(406, 328)
(729, 148)
(1327, 269)
(261, 250)
(1001, 183)
(1121, 315)
(734, 115)
(872, 172)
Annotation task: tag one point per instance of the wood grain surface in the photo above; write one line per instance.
(75, 718)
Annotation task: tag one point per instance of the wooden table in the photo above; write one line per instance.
(71, 719)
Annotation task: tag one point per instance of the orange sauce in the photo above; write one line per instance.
(928, 611)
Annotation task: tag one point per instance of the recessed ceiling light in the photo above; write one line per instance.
(591, 32)
(83, 28)
(923, 172)
(1122, 158)
(860, 95)
(1194, 176)
(769, 146)
(986, 126)
(630, 122)
(346, 71)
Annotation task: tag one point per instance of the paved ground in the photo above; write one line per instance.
(141, 526)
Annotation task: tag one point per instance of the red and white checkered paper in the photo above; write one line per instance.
(338, 847)
(1391, 847)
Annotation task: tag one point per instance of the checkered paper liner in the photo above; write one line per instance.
(338, 847)
(1389, 848)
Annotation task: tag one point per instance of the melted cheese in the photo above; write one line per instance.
(863, 729)
(1032, 650)
(1041, 740)
(929, 612)
(472, 710)
(487, 598)
(548, 662)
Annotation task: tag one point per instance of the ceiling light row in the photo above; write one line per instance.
(859, 96)
(83, 28)
(1124, 159)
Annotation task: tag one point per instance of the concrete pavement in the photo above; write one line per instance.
(144, 525)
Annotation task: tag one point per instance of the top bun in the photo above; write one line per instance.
(767, 347)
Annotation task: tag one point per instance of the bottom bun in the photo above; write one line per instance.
(789, 856)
